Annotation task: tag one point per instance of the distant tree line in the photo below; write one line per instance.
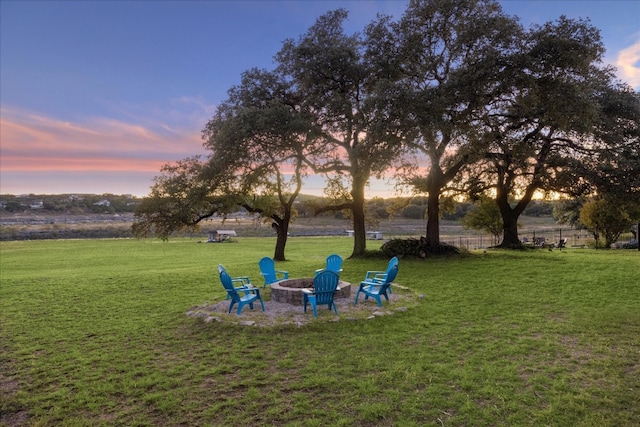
(605, 221)
(455, 99)
(69, 203)
(416, 208)
(377, 208)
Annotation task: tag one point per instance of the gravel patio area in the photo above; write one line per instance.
(277, 313)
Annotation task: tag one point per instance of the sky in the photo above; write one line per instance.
(95, 96)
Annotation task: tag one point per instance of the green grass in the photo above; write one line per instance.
(94, 332)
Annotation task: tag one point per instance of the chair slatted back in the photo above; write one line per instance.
(334, 263)
(228, 285)
(391, 275)
(393, 261)
(325, 285)
(268, 269)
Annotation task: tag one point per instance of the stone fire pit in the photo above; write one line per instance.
(290, 290)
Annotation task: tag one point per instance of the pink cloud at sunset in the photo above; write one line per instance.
(37, 163)
(34, 144)
(628, 64)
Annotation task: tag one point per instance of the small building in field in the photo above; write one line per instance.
(374, 235)
(218, 236)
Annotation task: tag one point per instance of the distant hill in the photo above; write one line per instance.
(68, 203)
(81, 203)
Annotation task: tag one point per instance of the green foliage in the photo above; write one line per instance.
(337, 81)
(414, 212)
(446, 54)
(401, 248)
(567, 211)
(539, 208)
(69, 203)
(460, 209)
(484, 216)
(14, 206)
(376, 209)
(492, 105)
(187, 192)
(546, 129)
(609, 217)
(417, 248)
(440, 249)
(615, 169)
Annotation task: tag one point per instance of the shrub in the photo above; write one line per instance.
(401, 247)
(411, 247)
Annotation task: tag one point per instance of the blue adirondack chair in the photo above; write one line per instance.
(269, 272)
(325, 285)
(381, 276)
(377, 288)
(242, 280)
(333, 263)
(251, 293)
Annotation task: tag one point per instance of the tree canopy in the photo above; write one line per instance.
(546, 124)
(333, 75)
(448, 68)
(608, 217)
(264, 138)
(495, 109)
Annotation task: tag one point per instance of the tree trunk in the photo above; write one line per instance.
(281, 242)
(510, 215)
(281, 226)
(435, 182)
(359, 229)
(510, 237)
(433, 218)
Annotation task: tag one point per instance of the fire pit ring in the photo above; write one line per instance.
(289, 291)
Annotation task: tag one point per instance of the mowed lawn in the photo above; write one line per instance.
(94, 332)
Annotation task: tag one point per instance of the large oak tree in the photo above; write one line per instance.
(259, 142)
(332, 73)
(264, 138)
(547, 122)
(447, 60)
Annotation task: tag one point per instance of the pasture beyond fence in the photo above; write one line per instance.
(575, 238)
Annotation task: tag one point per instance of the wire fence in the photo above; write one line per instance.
(535, 237)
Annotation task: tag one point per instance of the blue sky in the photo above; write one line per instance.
(96, 95)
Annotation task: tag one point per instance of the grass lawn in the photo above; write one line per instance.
(94, 332)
